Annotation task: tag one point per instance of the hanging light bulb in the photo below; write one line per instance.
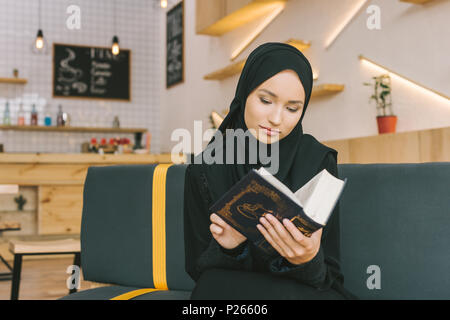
(39, 40)
(163, 3)
(40, 45)
(115, 49)
(115, 46)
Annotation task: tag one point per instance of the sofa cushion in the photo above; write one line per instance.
(120, 237)
(396, 217)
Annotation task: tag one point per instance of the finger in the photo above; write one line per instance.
(276, 238)
(317, 235)
(296, 234)
(281, 231)
(270, 240)
(218, 220)
(214, 228)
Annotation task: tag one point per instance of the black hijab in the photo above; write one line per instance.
(299, 155)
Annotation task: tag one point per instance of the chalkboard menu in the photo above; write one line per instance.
(90, 72)
(175, 45)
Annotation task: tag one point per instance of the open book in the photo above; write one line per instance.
(259, 193)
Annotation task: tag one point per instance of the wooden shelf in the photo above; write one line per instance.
(72, 129)
(13, 80)
(218, 17)
(416, 1)
(226, 72)
(326, 89)
(237, 67)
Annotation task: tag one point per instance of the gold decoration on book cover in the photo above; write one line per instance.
(299, 222)
(252, 209)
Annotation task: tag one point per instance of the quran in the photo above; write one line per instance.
(259, 193)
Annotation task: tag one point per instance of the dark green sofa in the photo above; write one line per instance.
(395, 230)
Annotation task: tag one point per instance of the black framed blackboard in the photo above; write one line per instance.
(91, 72)
(175, 45)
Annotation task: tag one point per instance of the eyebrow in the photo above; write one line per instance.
(275, 96)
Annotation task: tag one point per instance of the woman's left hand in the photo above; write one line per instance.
(290, 243)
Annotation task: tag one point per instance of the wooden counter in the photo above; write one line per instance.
(85, 158)
(431, 145)
(59, 179)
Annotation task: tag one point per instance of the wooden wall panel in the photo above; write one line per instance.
(431, 145)
(60, 209)
(435, 145)
(386, 148)
(342, 147)
(42, 174)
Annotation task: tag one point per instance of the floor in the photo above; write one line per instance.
(42, 279)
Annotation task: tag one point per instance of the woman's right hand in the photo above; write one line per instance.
(225, 235)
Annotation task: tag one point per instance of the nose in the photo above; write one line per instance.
(275, 116)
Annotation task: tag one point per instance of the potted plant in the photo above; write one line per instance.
(386, 120)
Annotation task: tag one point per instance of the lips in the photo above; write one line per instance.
(270, 132)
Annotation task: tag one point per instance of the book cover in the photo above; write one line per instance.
(251, 198)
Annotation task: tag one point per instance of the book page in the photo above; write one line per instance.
(317, 197)
(278, 184)
(305, 193)
(325, 196)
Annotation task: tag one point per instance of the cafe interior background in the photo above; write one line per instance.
(183, 66)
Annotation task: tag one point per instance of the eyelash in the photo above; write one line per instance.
(267, 102)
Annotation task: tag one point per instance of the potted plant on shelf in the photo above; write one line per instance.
(386, 120)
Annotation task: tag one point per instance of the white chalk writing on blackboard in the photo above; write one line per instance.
(91, 72)
(100, 71)
(69, 76)
(174, 67)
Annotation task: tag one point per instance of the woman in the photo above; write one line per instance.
(272, 93)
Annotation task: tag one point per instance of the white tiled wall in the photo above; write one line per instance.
(137, 27)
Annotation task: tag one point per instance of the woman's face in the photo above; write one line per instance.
(277, 104)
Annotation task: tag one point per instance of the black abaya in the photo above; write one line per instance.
(214, 268)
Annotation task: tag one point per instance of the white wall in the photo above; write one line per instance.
(413, 41)
(138, 30)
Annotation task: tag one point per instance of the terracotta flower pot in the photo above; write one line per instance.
(386, 124)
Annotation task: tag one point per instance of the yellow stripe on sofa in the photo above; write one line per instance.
(132, 294)
(159, 225)
(159, 234)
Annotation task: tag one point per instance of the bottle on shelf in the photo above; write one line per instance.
(116, 122)
(34, 116)
(59, 117)
(6, 115)
(21, 116)
(66, 119)
(47, 116)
